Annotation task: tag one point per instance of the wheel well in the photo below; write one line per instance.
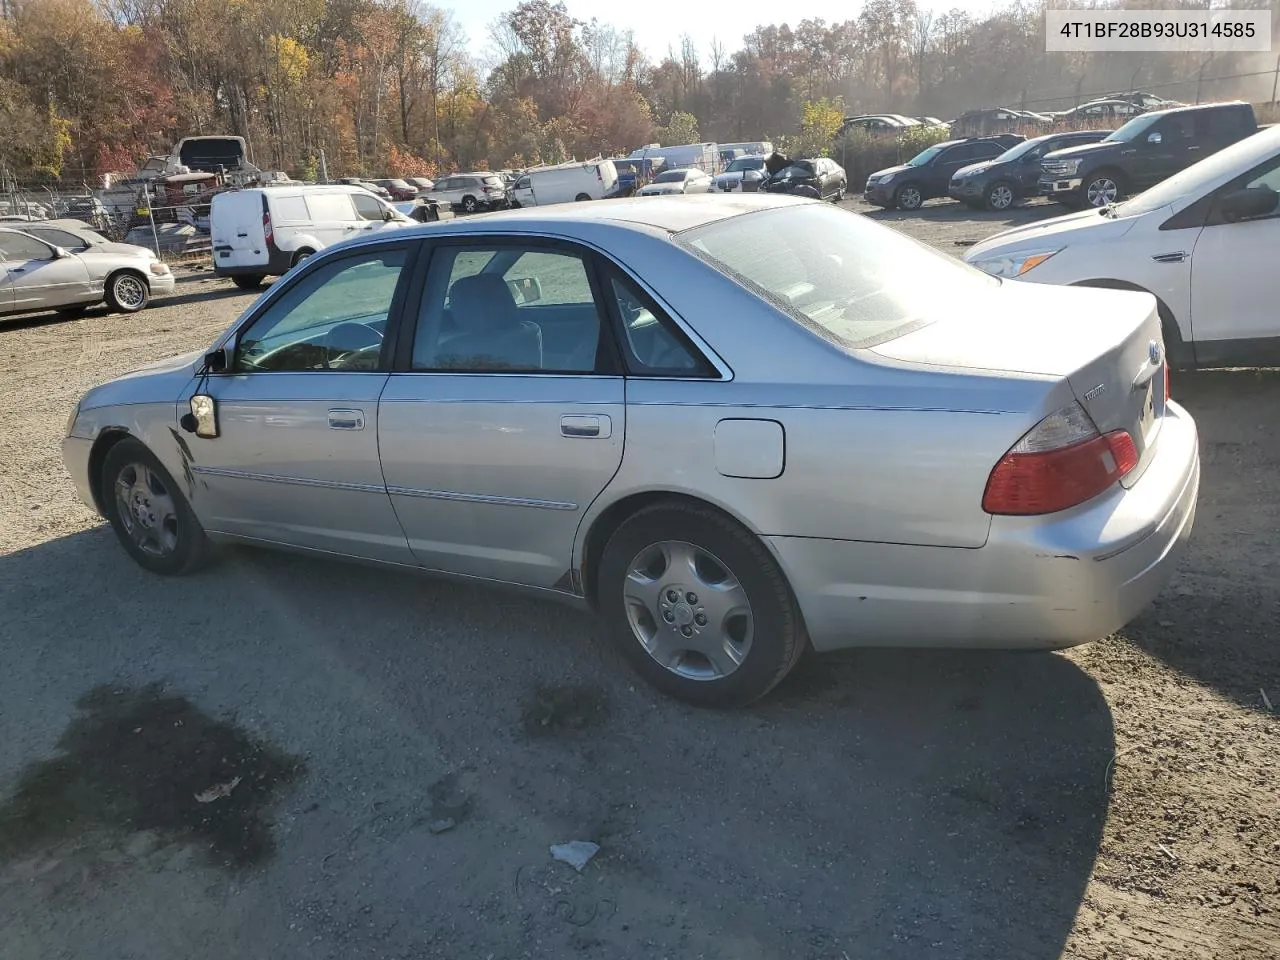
(98, 456)
(1179, 352)
(137, 273)
(615, 515)
(582, 196)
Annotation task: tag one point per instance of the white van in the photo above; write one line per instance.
(684, 156)
(566, 182)
(264, 231)
(750, 148)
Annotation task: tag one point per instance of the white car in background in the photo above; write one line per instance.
(1203, 243)
(743, 175)
(676, 182)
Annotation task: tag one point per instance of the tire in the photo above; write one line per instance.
(1001, 196)
(1101, 188)
(637, 579)
(299, 255)
(148, 512)
(127, 291)
(469, 205)
(908, 197)
(249, 282)
(581, 198)
(839, 197)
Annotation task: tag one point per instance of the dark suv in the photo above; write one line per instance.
(1143, 152)
(928, 173)
(1000, 183)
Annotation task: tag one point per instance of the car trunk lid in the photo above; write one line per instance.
(1105, 343)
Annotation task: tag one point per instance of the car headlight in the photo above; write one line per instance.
(159, 268)
(1069, 168)
(1013, 265)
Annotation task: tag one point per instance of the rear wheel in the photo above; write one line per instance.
(148, 512)
(581, 197)
(839, 197)
(299, 255)
(908, 197)
(698, 607)
(127, 292)
(249, 282)
(469, 205)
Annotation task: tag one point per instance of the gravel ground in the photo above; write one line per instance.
(282, 757)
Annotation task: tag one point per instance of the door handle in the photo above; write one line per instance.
(346, 419)
(582, 427)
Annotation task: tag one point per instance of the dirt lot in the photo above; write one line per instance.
(289, 758)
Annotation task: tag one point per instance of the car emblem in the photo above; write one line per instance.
(1154, 352)
(1096, 391)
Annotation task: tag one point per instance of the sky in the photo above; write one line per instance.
(658, 24)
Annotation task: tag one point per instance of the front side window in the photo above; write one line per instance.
(17, 246)
(333, 318)
(839, 274)
(60, 238)
(507, 309)
(368, 207)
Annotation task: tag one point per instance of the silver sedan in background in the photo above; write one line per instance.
(65, 266)
(733, 427)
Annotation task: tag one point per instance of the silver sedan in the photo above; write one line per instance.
(62, 266)
(733, 427)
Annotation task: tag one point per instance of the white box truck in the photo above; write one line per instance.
(262, 232)
(684, 156)
(566, 182)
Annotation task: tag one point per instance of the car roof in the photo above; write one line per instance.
(648, 214)
(1198, 106)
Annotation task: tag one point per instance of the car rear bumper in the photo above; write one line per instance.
(1038, 583)
(1059, 187)
(75, 455)
(277, 264)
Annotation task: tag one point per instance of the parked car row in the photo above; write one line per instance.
(1091, 168)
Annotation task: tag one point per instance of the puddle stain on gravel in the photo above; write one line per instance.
(560, 709)
(135, 760)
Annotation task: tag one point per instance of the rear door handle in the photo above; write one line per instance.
(346, 419)
(1177, 257)
(586, 427)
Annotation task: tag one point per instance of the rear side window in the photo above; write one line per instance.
(1221, 124)
(985, 151)
(331, 206)
(289, 209)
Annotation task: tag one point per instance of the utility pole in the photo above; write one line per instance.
(324, 168)
(1275, 80)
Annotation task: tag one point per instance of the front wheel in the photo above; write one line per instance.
(1102, 189)
(127, 292)
(250, 282)
(908, 197)
(582, 197)
(1000, 196)
(148, 512)
(698, 607)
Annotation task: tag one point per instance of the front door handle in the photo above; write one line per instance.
(583, 427)
(346, 419)
(1177, 257)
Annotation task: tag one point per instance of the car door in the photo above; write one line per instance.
(333, 217)
(1234, 284)
(296, 459)
(39, 278)
(372, 212)
(505, 415)
(944, 166)
(1026, 171)
(1161, 151)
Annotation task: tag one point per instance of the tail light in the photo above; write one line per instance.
(266, 228)
(1061, 462)
(1166, 381)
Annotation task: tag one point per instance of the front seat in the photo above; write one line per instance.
(492, 337)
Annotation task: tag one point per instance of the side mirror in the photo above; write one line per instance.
(389, 214)
(61, 253)
(1249, 204)
(203, 418)
(525, 289)
(1155, 138)
(218, 361)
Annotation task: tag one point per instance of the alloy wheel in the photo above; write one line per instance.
(129, 292)
(1001, 197)
(147, 511)
(1102, 191)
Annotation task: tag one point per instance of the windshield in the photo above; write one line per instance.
(1133, 129)
(746, 163)
(846, 278)
(924, 156)
(794, 171)
(671, 176)
(1197, 180)
(1013, 153)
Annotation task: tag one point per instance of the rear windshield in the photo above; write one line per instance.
(845, 277)
(746, 163)
(493, 181)
(671, 176)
